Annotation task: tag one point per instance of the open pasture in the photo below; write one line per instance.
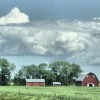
(49, 93)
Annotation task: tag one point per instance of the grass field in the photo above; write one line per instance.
(49, 93)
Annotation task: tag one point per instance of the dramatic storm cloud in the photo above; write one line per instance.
(14, 17)
(49, 38)
(57, 38)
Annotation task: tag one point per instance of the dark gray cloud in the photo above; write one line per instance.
(43, 38)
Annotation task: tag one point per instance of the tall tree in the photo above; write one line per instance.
(65, 72)
(5, 71)
(30, 71)
(19, 78)
(41, 69)
(57, 66)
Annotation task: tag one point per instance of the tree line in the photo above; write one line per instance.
(61, 71)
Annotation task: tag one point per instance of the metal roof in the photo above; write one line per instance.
(81, 77)
(35, 80)
(57, 83)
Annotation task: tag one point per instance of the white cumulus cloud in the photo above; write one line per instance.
(14, 17)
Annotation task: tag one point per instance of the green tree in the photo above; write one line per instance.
(49, 77)
(57, 68)
(30, 71)
(33, 71)
(5, 71)
(64, 71)
(41, 69)
(19, 78)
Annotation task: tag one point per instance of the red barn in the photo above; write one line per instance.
(89, 79)
(35, 82)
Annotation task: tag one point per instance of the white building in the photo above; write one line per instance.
(56, 83)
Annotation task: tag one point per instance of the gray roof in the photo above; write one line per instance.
(56, 82)
(81, 77)
(35, 80)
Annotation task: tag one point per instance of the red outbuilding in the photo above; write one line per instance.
(89, 79)
(35, 82)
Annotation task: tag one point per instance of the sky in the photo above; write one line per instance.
(37, 31)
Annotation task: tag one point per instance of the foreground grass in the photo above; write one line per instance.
(49, 93)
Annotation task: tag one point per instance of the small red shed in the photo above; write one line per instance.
(35, 82)
(89, 79)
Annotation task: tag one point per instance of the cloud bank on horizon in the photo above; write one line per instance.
(49, 38)
(14, 17)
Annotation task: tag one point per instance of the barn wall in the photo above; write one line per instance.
(35, 84)
(90, 78)
(28, 84)
(38, 84)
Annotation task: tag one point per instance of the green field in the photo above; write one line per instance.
(49, 93)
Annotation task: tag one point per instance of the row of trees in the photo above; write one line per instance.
(57, 71)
